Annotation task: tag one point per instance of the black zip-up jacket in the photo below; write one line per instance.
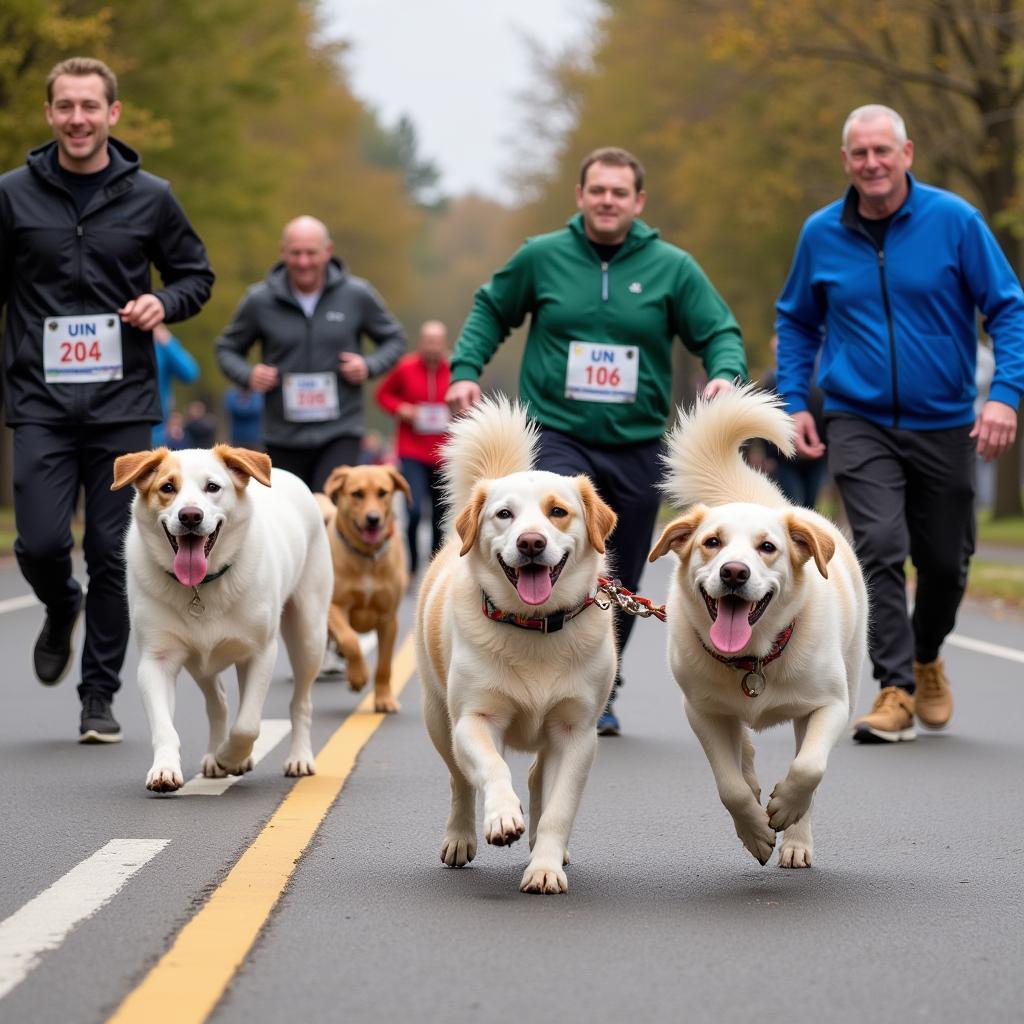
(55, 262)
(270, 316)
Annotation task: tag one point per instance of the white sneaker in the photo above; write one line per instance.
(333, 666)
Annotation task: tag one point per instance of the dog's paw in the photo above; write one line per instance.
(790, 801)
(794, 853)
(210, 769)
(386, 705)
(544, 880)
(457, 850)
(298, 766)
(357, 676)
(243, 766)
(504, 825)
(164, 778)
(756, 834)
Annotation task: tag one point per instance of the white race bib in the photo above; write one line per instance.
(310, 397)
(602, 373)
(82, 349)
(430, 418)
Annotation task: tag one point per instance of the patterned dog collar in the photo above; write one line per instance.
(546, 624)
(753, 681)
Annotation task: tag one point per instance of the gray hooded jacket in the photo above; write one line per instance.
(349, 309)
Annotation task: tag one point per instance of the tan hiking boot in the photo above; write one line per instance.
(933, 699)
(890, 720)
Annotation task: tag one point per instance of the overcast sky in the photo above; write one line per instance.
(456, 68)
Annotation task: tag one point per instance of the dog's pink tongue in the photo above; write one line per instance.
(534, 585)
(730, 632)
(190, 560)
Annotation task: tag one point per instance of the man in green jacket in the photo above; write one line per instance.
(605, 296)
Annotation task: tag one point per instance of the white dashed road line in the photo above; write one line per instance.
(45, 921)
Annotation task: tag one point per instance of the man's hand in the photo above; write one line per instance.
(717, 387)
(145, 312)
(995, 428)
(263, 377)
(406, 412)
(353, 367)
(462, 395)
(808, 444)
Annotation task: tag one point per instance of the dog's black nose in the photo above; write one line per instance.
(190, 516)
(531, 544)
(734, 574)
(373, 519)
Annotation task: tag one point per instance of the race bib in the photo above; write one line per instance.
(310, 397)
(82, 349)
(602, 373)
(430, 418)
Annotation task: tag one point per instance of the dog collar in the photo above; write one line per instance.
(371, 555)
(545, 624)
(753, 681)
(196, 606)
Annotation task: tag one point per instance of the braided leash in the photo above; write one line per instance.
(612, 591)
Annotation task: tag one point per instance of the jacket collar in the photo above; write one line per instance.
(277, 278)
(640, 234)
(849, 218)
(124, 162)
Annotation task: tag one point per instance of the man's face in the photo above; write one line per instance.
(609, 202)
(432, 344)
(81, 119)
(877, 163)
(306, 253)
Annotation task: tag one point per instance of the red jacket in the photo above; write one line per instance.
(411, 381)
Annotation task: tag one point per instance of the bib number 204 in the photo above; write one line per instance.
(79, 351)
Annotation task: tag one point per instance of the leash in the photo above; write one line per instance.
(626, 600)
(753, 681)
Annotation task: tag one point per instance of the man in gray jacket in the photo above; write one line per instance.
(309, 316)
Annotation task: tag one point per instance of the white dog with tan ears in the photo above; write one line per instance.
(510, 651)
(216, 570)
(767, 614)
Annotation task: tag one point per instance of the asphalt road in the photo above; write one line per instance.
(913, 909)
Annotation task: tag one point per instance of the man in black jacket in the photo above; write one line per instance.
(80, 226)
(309, 317)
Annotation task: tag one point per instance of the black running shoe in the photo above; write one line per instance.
(98, 723)
(52, 653)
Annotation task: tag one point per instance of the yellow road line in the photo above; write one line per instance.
(187, 982)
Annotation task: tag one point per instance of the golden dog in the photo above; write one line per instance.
(370, 570)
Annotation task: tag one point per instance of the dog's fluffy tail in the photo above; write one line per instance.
(703, 460)
(495, 438)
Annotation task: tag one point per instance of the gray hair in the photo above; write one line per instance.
(869, 113)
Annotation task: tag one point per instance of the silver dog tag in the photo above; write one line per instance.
(196, 606)
(753, 683)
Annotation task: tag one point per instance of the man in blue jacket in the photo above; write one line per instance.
(886, 282)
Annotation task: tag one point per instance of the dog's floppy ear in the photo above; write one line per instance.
(336, 481)
(467, 522)
(132, 467)
(678, 535)
(244, 464)
(401, 483)
(600, 519)
(809, 541)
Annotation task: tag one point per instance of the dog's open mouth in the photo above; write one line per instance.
(533, 581)
(732, 619)
(370, 534)
(191, 554)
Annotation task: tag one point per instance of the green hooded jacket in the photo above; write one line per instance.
(647, 294)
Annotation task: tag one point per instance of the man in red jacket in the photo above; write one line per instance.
(413, 392)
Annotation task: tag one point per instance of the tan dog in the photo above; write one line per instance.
(370, 570)
(767, 616)
(510, 651)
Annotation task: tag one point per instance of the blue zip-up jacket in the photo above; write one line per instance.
(896, 326)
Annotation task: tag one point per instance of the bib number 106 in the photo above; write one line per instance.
(603, 376)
